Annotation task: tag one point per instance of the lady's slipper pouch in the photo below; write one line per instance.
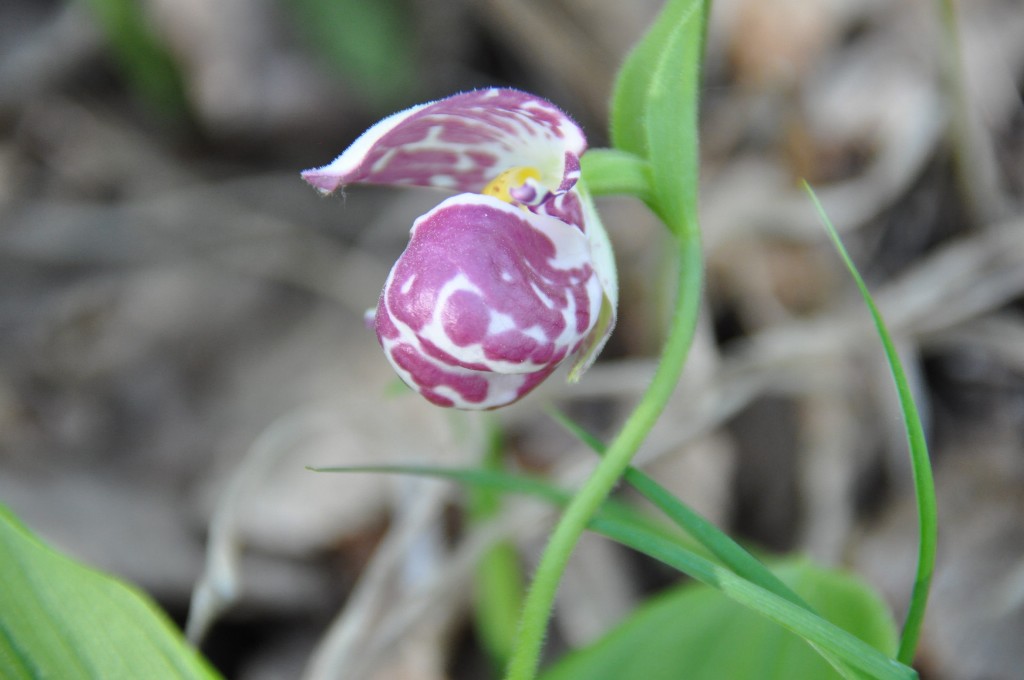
(508, 279)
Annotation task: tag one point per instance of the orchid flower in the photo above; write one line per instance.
(509, 278)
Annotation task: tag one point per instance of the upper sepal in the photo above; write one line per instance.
(460, 143)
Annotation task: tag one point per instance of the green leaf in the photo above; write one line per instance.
(920, 462)
(60, 619)
(693, 632)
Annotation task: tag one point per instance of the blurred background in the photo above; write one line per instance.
(181, 316)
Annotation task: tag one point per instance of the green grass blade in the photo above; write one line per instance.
(631, 528)
(714, 540)
(822, 634)
(717, 542)
(924, 484)
(476, 477)
(507, 482)
(576, 430)
(692, 631)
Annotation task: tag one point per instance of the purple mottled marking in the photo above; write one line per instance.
(512, 345)
(472, 388)
(571, 174)
(435, 398)
(583, 321)
(483, 159)
(465, 318)
(385, 327)
(501, 254)
(564, 206)
(486, 301)
(432, 350)
(458, 142)
(534, 379)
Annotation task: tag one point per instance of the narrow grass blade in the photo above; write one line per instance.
(691, 631)
(717, 542)
(492, 479)
(924, 484)
(824, 635)
(507, 482)
(710, 537)
(624, 525)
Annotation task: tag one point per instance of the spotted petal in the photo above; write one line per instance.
(486, 301)
(460, 143)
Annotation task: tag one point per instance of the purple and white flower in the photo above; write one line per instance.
(509, 278)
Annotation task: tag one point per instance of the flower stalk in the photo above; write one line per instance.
(541, 596)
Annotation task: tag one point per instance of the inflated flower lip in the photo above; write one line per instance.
(505, 281)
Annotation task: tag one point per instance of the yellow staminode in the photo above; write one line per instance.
(500, 186)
